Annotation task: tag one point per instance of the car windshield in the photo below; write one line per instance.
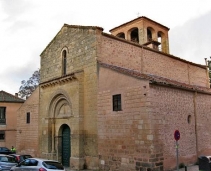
(27, 156)
(7, 159)
(53, 165)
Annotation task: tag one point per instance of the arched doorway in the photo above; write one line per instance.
(66, 145)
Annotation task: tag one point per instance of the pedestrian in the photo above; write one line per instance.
(13, 149)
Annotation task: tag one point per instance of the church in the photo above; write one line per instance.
(113, 101)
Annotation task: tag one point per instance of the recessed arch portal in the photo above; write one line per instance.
(60, 107)
(59, 98)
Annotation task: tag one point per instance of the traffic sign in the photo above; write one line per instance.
(176, 135)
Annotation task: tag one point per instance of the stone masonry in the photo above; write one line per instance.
(82, 68)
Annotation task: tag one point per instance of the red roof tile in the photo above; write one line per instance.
(154, 79)
(6, 97)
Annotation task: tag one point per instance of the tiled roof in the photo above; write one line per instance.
(83, 27)
(6, 97)
(142, 17)
(154, 79)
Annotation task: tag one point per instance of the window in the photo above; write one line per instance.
(134, 35)
(121, 35)
(2, 115)
(28, 117)
(2, 135)
(64, 62)
(117, 106)
(189, 119)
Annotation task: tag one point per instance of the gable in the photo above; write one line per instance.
(6, 97)
(75, 29)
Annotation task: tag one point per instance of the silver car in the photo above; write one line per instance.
(6, 162)
(37, 164)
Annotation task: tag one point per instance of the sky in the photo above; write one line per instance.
(27, 26)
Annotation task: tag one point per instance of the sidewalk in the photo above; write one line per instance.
(190, 168)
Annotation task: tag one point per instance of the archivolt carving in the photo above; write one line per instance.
(60, 105)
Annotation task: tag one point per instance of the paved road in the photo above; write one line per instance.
(190, 168)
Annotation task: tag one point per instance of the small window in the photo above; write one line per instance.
(117, 105)
(2, 115)
(2, 135)
(189, 119)
(64, 62)
(28, 117)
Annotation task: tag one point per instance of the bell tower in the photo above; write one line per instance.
(144, 31)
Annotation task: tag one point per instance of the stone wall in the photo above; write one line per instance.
(80, 44)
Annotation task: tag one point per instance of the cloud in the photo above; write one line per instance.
(11, 77)
(28, 26)
(14, 8)
(192, 39)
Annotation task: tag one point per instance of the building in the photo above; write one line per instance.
(27, 126)
(113, 101)
(9, 104)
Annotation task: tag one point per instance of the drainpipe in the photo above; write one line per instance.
(188, 73)
(208, 77)
(195, 115)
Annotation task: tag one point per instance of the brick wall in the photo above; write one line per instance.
(186, 111)
(203, 110)
(27, 133)
(142, 134)
(142, 24)
(148, 61)
(170, 111)
(126, 138)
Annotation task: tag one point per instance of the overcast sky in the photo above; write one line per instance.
(27, 26)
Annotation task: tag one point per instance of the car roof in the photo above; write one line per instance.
(19, 154)
(41, 159)
(4, 155)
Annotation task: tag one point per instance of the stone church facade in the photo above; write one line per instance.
(113, 101)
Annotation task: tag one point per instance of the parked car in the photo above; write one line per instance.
(37, 164)
(20, 157)
(5, 150)
(6, 162)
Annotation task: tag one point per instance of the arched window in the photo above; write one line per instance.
(134, 35)
(150, 34)
(64, 62)
(121, 35)
(160, 39)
